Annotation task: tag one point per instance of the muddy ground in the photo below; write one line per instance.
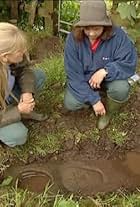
(80, 177)
(82, 144)
(84, 120)
(80, 123)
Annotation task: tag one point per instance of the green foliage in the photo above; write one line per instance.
(20, 198)
(134, 33)
(62, 202)
(54, 68)
(130, 10)
(23, 20)
(27, 1)
(4, 11)
(7, 181)
(116, 131)
(70, 10)
(127, 11)
(116, 136)
(69, 13)
(53, 93)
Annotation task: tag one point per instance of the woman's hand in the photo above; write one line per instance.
(27, 103)
(27, 98)
(97, 78)
(25, 108)
(99, 108)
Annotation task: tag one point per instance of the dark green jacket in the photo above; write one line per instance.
(25, 77)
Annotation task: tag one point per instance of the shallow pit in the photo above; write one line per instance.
(34, 181)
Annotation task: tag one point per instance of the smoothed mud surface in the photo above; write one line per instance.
(88, 162)
(80, 177)
(90, 166)
(34, 181)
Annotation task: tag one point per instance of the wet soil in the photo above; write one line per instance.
(80, 177)
(90, 166)
(80, 139)
(34, 181)
(85, 166)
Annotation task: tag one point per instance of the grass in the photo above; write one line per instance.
(116, 131)
(40, 143)
(13, 197)
(53, 91)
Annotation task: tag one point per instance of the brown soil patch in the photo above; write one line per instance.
(90, 162)
(80, 140)
(45, 47)
(88, 166)
(79, 177)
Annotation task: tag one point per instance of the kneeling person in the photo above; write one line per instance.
(98, 56)
(18, 82)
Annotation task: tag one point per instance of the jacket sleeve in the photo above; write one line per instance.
(11, 115)
(25, 76)
(75, 74)
(125, 59)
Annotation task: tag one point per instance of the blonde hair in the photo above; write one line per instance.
(12, 40)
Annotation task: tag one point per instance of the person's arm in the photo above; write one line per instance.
(24, 75)
(125, 59)
(75, 74)
(11, 115)
(26, 79)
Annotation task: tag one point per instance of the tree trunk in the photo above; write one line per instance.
(14, 9)
(55, 17)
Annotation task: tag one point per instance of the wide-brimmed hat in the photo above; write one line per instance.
(93, 12)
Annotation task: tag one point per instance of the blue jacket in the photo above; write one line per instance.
(117, 55)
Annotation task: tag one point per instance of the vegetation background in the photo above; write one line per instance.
(124, 13)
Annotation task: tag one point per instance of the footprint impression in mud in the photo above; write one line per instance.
(34, 181)
(82, 179)
(73, 178)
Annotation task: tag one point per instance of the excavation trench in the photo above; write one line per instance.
(79, 177)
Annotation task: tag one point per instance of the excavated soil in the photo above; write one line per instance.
(80, 177)
(81, 123)
(85, 166)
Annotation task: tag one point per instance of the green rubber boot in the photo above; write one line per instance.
(111, 108)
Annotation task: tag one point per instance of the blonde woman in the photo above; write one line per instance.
(18, 84)
(98, 57)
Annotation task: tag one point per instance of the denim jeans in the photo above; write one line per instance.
(16, 133)
(117, 90)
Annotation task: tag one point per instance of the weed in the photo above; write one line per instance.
(18, 198)
(95, 135)
(116, 136)
(53, 91)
